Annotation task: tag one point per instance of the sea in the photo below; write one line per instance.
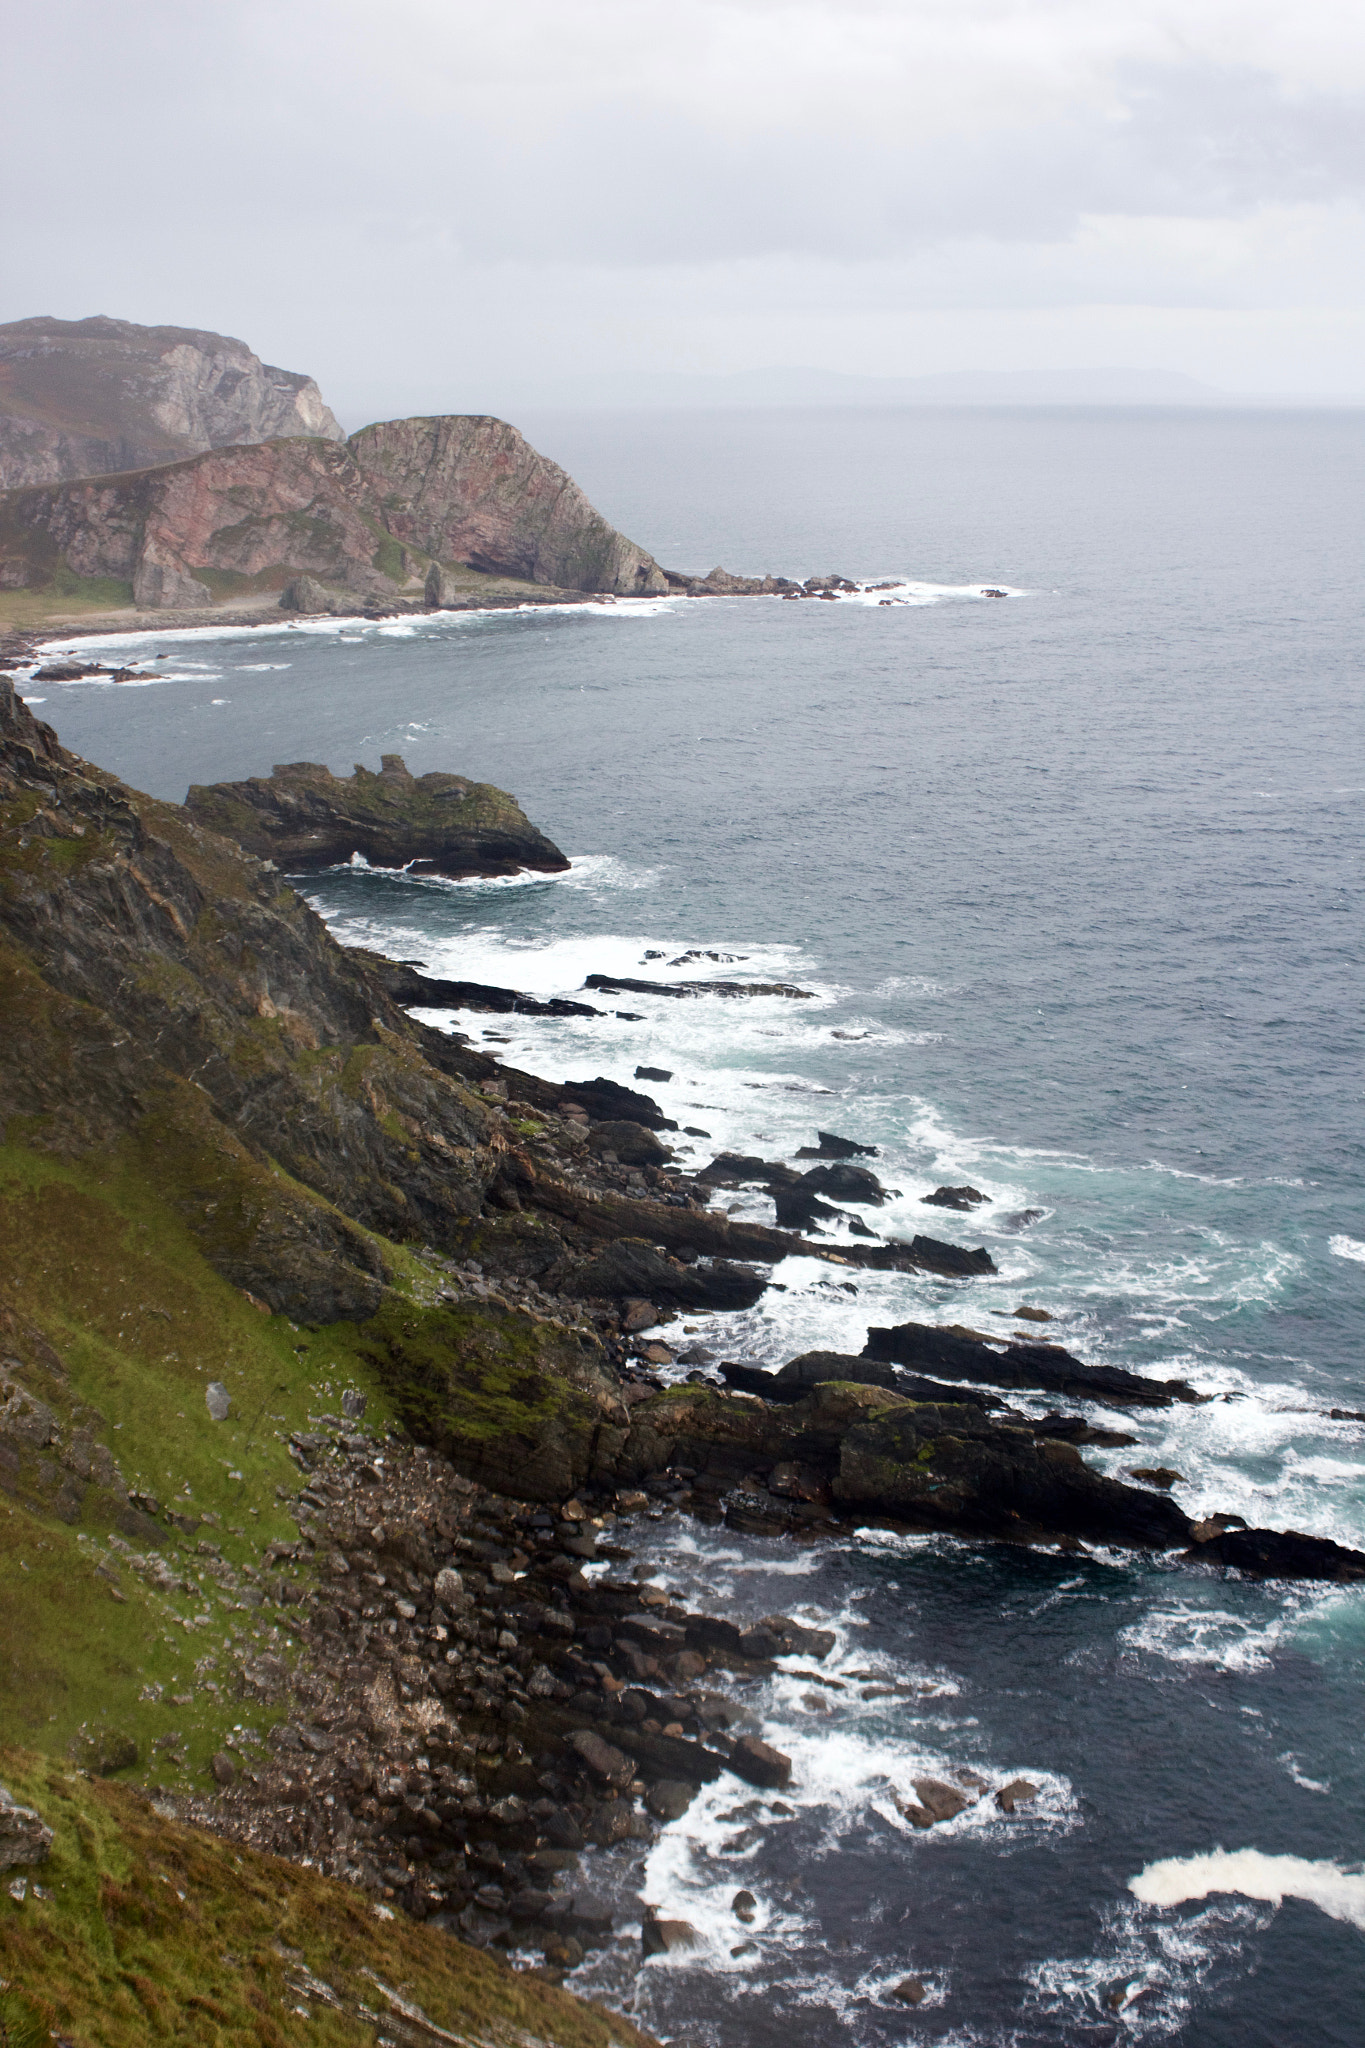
(1073, 876)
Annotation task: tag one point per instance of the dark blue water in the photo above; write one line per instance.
(1076, 878)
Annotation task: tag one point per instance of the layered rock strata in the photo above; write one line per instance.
(86, 397)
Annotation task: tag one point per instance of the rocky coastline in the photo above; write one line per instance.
(466, 1686)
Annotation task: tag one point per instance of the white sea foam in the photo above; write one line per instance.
(1347, 1248)
(1253, 1875)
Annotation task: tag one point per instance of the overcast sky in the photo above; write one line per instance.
(438, 205)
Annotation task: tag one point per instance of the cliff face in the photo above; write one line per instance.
(87, 397)
(373, 517)
(467, 488)
(303, 818)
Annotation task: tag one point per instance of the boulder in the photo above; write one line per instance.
(602, 1758)
(634, 1144)
(217, 1400)
(760, 1764)
(670, 1798)
(936, 1802)
(24, 1835)
(910, 1991)
(660, 1937)
(1018, 1792)
(653, 1074)
(744, 1906)
(305, 594)
(1281, 1554)
(846, 1183)
(954, 1198)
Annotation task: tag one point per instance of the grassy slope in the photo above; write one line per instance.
(148, 1931)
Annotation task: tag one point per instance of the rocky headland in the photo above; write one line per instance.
(332, 1357)
(303, 818)
(85, 397)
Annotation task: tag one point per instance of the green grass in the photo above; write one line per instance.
(99, 1258)
(150, 1931)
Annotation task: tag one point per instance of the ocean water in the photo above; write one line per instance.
(1074, 879)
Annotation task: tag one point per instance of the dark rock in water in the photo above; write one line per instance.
(744, 1906)
(416, 991)
(1074, 1429)
(630, 1268)
(662, 1937)
(760, 1764)
(846, 1183)
(959, 1355)
(304, 818)
(695, 1131)
(608, 1101)
(910, 1990)
(831, 1146)
(653, 1074)
(1020, 1219)
(670, 1798)
(613, 984)
(798, 1209)
(936, 1802)
(1282, 1554)
(731, 1169)
(633, 1144)
(955, 1198)
(954, 1467)
(859, 1228)
(1157, 1475)
(1018, 1792)
(954, 1261)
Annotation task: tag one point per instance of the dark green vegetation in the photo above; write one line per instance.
(137, 1929)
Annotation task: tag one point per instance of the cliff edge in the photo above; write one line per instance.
(87, 397)
(390, 513)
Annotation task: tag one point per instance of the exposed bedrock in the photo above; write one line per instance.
(616, 984)
(630, 1269)
(304, 818)
(418, 991)
(961, 1355)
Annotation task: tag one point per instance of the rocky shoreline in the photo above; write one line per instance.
(485, 1689)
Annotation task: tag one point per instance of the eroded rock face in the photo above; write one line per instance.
(86, 397)
(468, 488)
(303, 818)
(366, 518)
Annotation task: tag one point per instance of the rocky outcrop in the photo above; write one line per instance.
(86, 397)
(468, 488)
(961, 1355)
(304, 818)
(315, 522)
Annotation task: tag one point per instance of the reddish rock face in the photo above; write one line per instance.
(369, 517)
(470, 489)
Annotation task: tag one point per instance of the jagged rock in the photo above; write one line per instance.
(829, 1145)
(86, 397)
(303, 818)
(434, 992)
(954, 1198)
(910, 1991)
(936, 1802)
(1018, 1792)
(633, 1144)
(629, 1269)
(24, 1836)
(653, 1074)
(1281, 1554)
(306, 594)
(959, 1354)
